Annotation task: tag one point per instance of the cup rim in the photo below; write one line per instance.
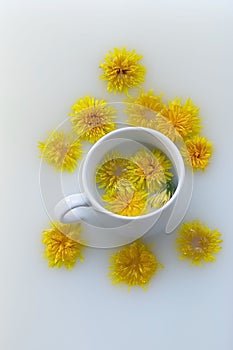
(98, 207)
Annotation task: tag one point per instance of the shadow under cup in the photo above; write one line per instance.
(128, 141)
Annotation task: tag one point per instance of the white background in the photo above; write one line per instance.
(50, 51)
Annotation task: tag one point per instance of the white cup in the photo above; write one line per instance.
(109, 229)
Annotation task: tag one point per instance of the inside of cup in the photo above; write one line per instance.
(127, 141)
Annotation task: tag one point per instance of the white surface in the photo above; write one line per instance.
(50, 52)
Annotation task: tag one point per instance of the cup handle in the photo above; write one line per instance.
(67, 205)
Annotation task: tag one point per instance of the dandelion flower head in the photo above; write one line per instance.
(126, 200)
(149, 169)
(197, 152)
(112, 169)
(134, 265)
(63, 245)
(92, 118)
(121, 70)
(198, 243)
(160, 198)
(62, 151)
(179, 121)
(143, 110)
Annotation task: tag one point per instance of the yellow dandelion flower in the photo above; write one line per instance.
(143, 109)
(61, 151)
(113, 168)
(122, 70)
(63, 245)
(149, 169)
(134, 265)
(179, 121)
(92, 118)
(126, 200)
(197, 243)
(161, 197)
(197, 152)
(167, 128)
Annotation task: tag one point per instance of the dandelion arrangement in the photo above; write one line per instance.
(130, 184)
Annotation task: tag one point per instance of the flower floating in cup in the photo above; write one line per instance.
(113, 169)
(121, 70)
(143, 109)
(161, 197)
(62, 151)
(92, 119)
(197, 152)
(63, 245)
(126, 200)
(198, 243)
(149, 169)
(134, 265)
(134, 184)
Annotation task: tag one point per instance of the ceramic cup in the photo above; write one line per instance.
(113, 229)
